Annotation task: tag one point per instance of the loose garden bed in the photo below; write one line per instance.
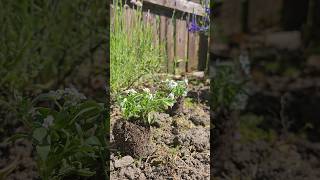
(178, 147)
(275, 134)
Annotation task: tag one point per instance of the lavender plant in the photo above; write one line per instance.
(132, 48)
(203, 24)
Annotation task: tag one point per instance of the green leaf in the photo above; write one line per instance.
(48, 139)
(93, 140)
(45, 111)
(39, 134)
(81, 113)
(150, 118)
(16, 136)
(79, 129)
(43, 151)
(85, 172)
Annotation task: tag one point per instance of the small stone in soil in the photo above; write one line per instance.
(198, 120)
(125, 161)
(129, 173)
(161, 119)
(197, 137)
(111, 166)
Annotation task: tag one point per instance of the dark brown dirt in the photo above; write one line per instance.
(17, 159)
(177, 108)
(132, 139)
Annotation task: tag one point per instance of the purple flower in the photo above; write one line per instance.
(206, 19)
(207, 6)
(207, 10)
(193, 26)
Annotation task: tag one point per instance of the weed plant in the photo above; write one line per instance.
(133, 52)
(226, 89)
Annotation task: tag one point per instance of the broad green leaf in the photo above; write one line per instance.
(81, 113)
(93, 140)
(79, 129)
(80, 132)
(39, 134)
(85, 172)
(17, 136)
(43, 151)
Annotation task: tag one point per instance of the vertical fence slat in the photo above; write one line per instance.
(162, 39)
(111, 15)
(156, 30)
(145, 16)
(181, 43)
(170, 45)
(129, 14)
(203, 52)
(185, 45)
(193, 47)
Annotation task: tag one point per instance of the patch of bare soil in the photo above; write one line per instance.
(284, 144)
(17, 160)
(181, 148)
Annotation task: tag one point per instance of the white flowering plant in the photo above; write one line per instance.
(142, 105)
(64, 133)
(176, 89)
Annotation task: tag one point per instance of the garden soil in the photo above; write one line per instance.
(18, 158)
(180, 144)
(283, 142)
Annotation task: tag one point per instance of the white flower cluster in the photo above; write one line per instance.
(185, 93)
(147, 90)
(131, 91)
(48, 121)
(186, 82)
(123, 103)
(245, 63)
(172, 85)
(136, 2)
(171, 96)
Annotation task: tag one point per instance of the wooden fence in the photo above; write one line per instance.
(185, 51)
